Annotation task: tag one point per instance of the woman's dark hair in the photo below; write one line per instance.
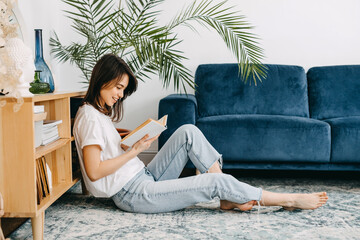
(110, 67)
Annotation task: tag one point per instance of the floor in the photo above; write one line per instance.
(75, 216)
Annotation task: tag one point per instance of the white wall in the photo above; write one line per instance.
(300, 32)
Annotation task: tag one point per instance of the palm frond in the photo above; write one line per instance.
(158, 55)
(233, 29)
(91, 21)
(132, 31)
(74, 53)
(171, 68)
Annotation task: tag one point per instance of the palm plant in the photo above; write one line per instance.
(131, 31)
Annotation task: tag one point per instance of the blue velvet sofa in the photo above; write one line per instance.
(292, 120)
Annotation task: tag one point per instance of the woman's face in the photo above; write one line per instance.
(111, 94)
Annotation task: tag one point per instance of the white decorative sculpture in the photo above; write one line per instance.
(23, 61)
(16, 61)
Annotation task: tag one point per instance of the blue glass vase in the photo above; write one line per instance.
(40, 63)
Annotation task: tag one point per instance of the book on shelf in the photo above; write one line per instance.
(39, 108)
(38, 184)
(50, 131)
(49, 175)
(40, 180)
(44, 176)
(45, 172)
(43, 179)
(151, 127)
(50, 140)
(38, 132)
(39, 116)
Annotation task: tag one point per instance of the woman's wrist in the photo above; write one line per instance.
(133, 152)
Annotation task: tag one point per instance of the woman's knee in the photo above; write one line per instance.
(188, 130)
(188, 127)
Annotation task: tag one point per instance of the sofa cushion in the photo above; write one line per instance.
(345, 143)
(334, 91)
(220, 91)
(264, 138)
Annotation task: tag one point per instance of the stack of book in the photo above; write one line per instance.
(39, 110)
(43, 179)
(50, 132)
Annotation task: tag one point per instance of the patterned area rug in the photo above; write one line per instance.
(75, 216)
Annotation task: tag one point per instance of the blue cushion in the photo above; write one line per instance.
(264, 138)
(334, 91)
(220, 91)
(345, 144)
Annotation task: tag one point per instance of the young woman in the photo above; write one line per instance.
(112, 170)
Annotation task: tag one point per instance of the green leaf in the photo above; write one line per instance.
(132, 31)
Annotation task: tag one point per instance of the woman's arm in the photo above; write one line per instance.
(96, 169)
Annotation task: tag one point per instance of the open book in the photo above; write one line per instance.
(150, 126)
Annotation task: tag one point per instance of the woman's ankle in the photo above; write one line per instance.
(277, 199)
(215, 168)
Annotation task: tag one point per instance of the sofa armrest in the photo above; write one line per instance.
(181, 109)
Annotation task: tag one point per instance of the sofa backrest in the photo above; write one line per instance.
(220, 91)
(334, 91)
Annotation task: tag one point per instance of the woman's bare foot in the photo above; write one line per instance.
(291, 201)
(307, 201)
(227, 205)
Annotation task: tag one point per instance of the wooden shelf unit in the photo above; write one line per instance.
(18, 156)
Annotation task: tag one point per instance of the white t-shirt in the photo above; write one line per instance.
(92, 127)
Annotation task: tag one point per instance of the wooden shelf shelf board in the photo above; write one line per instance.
(40, 116)
(43, 150)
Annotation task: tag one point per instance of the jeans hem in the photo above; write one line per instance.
(218, 159)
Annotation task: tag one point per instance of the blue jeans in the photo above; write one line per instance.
(157, 187)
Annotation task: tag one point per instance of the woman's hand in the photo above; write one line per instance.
(124, 147)
(144, 143)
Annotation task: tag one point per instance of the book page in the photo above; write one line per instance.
(150, 127)
(163, 120)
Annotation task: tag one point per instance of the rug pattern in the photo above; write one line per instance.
(75, 216)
